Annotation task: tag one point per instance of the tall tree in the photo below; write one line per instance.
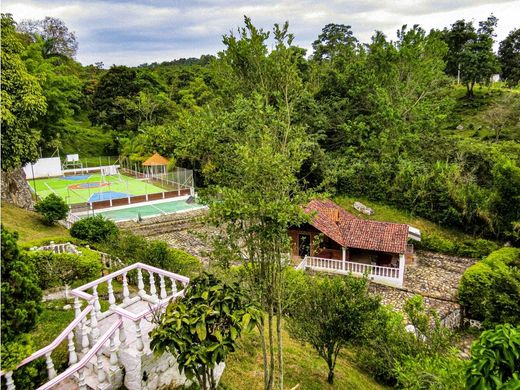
(57, 39)
(472, 52)
(113, 98)
(509, 57)
(22, 102)
(334, 41)
(257, 195)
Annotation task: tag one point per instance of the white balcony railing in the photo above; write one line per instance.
(386, 275)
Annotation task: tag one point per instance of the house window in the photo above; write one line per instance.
(304, 245)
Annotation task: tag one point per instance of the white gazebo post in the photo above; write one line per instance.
(344, 258)
(401, 269)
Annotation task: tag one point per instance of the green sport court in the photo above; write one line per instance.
(93, 187)
(148, 210)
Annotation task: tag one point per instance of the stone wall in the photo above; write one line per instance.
(15, 189)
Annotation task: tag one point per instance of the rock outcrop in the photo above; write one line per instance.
(15, 189)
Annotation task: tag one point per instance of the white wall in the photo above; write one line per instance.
(44, 167)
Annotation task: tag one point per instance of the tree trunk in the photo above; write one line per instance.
(280, 349)
(330, 377)
(269, 385)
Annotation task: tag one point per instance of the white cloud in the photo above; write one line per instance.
(132, 32)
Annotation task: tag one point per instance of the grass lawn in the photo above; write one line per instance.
(303, 366)
(29, 224)
(68, 189)
(387, 213)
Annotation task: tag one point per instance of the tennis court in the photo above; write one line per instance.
(93, 187)
(149, 210)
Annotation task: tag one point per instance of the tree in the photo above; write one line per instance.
(509, 57)
(21, 302)
(495, 359)
(334, 41)
(52, 208)
(202, 327)
(112, 102)
(22, 102)
(61, 87)
(330, 314)
(472, 52)
(460, 33)
(57, 39)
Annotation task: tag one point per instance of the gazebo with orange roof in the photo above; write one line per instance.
(156, 165)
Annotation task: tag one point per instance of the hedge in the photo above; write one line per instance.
(477, 249)
(489, 291)
(58, 269)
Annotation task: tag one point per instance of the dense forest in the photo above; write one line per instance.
(410, 120)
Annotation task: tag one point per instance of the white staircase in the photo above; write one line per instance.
(106, 347)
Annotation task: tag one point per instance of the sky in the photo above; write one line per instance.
(132, 32)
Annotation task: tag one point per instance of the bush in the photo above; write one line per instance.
(489, 291)
(476, 249)
(52, 208)
(495, 359)
(94, 229)
(387, 345)
(133, 249)
(58, 269)
(434, 243)
(431, 372)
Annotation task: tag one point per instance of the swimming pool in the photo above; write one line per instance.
(148, 210)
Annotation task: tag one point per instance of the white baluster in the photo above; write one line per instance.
(174, 286)
(111, 297)
(81, 379)
(50, 366)
(122, 335)
(153, 290)
(73, 357)
(140, 284)
(138, 336)
(114, 359)
(9, 380)
(85, 343)
(126, 293)
(162, 286)
(97, 305)
(100, 372)
(94, 330)
(77, 307)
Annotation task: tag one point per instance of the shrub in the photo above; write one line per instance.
(52, 208)
(476, 249)
(434, 243)
(132, 249)
(20, 304)
(203, 327)
(495, 359)
(94, 229)
(431, 372)
(489, 291)
(57, 269)
(387, 345)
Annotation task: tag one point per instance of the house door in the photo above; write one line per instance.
(304, 245)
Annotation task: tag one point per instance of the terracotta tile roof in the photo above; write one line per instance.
(352, 232)
(156, 159)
